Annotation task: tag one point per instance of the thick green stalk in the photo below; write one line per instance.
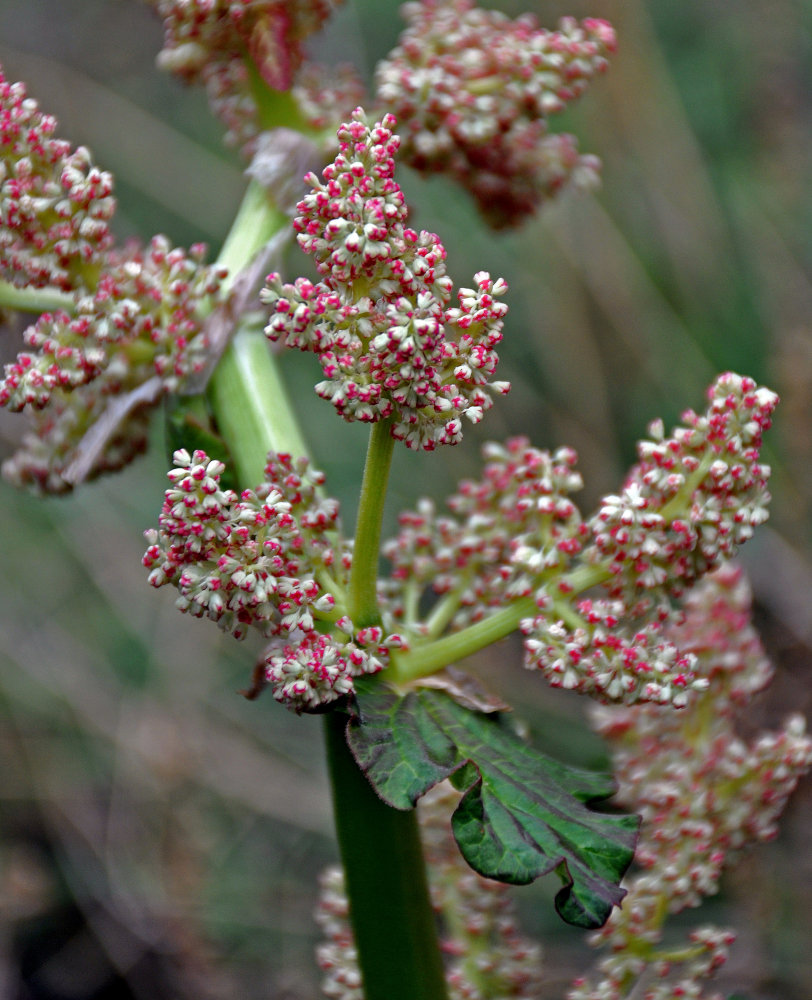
(258, 219)
(385, 876)
(254, 414)
(391, 913)
(363, 601)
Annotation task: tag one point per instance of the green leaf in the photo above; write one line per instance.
(188, 426)
(522, 814)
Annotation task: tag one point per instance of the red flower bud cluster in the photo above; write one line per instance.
(473, 90)
(129, 315)
(506, 532)
(221, 43)
(140, 319)
(688, 504)
(55, 205)
(200, 34)
(691, 500)
(703, 792)
(389, 343)
(263, 560)
(595, 651)
(517, 536)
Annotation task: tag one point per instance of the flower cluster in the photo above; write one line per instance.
(595, 652)
(514, 527)
(389, 343)
(141, 319)
(55, 205)
(515, 537)
(240, 561)
(704, 793)
(487, 955)
(268, 559)
(473, 91)
(222, 43)
(123, 316)
(691, 500)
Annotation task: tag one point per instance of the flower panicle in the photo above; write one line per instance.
(597, 599)
(692, 499)
(127, 316)
(473, 91)
(55, 205)
(142, 318)
(199, 34)
(687, 505)
(141, 324)
(223, 44)
(380, 320)
(704, 792)
(266, 560)
(240, 560)
(503, 532)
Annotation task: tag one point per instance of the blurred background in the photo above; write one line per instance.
(160, 836)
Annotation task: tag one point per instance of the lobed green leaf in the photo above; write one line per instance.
(522, 814)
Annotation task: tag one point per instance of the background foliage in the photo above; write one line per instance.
(159, 835)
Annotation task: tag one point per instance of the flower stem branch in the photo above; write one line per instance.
(427, 658)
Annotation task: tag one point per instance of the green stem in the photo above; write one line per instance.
(258, 219)
(427, 658)
(391, 913)
(253, 411)
(363, 600)
(385, 875)
(248, 394)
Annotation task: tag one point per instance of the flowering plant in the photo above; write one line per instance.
(612, 605)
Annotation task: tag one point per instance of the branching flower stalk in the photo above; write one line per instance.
(609, 605)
